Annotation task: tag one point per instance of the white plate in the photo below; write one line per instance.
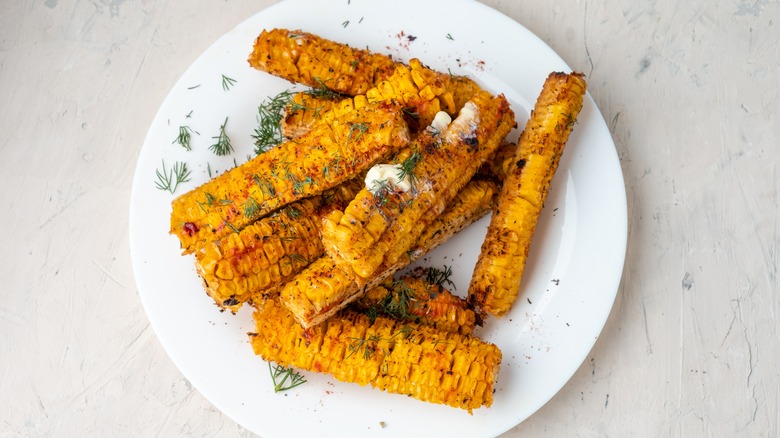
(570, 282)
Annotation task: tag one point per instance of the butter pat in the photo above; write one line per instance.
(441, 121)
(382, 174)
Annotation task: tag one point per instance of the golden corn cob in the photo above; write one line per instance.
(322, 289)
(495, 283)
(308, 59)
(253, 263)
(397, 357)
(380, 228)
(311, 60)
(302, 112)
(416, 299)
(344, 142)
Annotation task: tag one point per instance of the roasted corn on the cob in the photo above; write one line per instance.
(397, 357)
(415, 299)
(322, 289)
(311, 60)
(305, 58)
(253, 263)
(344, 142)
(495, 283)
(380, 226)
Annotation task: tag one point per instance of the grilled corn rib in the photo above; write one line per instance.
(305, 58)
(344, 142)
(322, 289)
(308, 59)
(415, 299)
(377, 228)
(495, 282)
(403, 358)
(254, 262)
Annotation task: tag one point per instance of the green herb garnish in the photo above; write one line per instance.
(285, 378)
(170, 179)
(222, 146)
(440, 276)
(183, 139)
(227, 82)
(269, 122)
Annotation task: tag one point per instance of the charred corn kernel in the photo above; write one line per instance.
(311, 60)
(380, 227)
(398, 357)
(414, 299)
(308, 59)
(500, 163)
(322, 289)
(341, 144)
(495, 282)
(252, 264)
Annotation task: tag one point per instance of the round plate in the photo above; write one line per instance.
(570, 281)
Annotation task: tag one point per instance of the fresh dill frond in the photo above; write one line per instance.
(345, 23)
(293, 212)
(269, 122)
(321, 91)
(251, 208)
(360, 128)
(208, 168)
(440, 276)
(227, 83)
(169, 180)
(449, 37)
(231, 226)
(184, 137)
(299, 258)
(266, 188)
(222, 146)
(399, 301)
(285, 378)
(408, 166)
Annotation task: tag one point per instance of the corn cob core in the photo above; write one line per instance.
(497, 275)
(253, 263)
(322, 289)
(344, 142)
(403, 358)
(414, 299)
(380, 228)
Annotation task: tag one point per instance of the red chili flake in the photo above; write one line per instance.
(190, 228)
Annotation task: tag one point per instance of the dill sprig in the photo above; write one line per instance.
(440, 276)
(170, 179)
(269, 122)
(369, 345)
(227, 82)
(360, 128)
(183, 139)
(285, 378)
(298, 258)
(321, 91)
(222, 146)
(293, 213)
(408, 166)
(251, 208)
(398, 302)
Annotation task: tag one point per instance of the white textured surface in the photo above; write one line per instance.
(689, 89)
